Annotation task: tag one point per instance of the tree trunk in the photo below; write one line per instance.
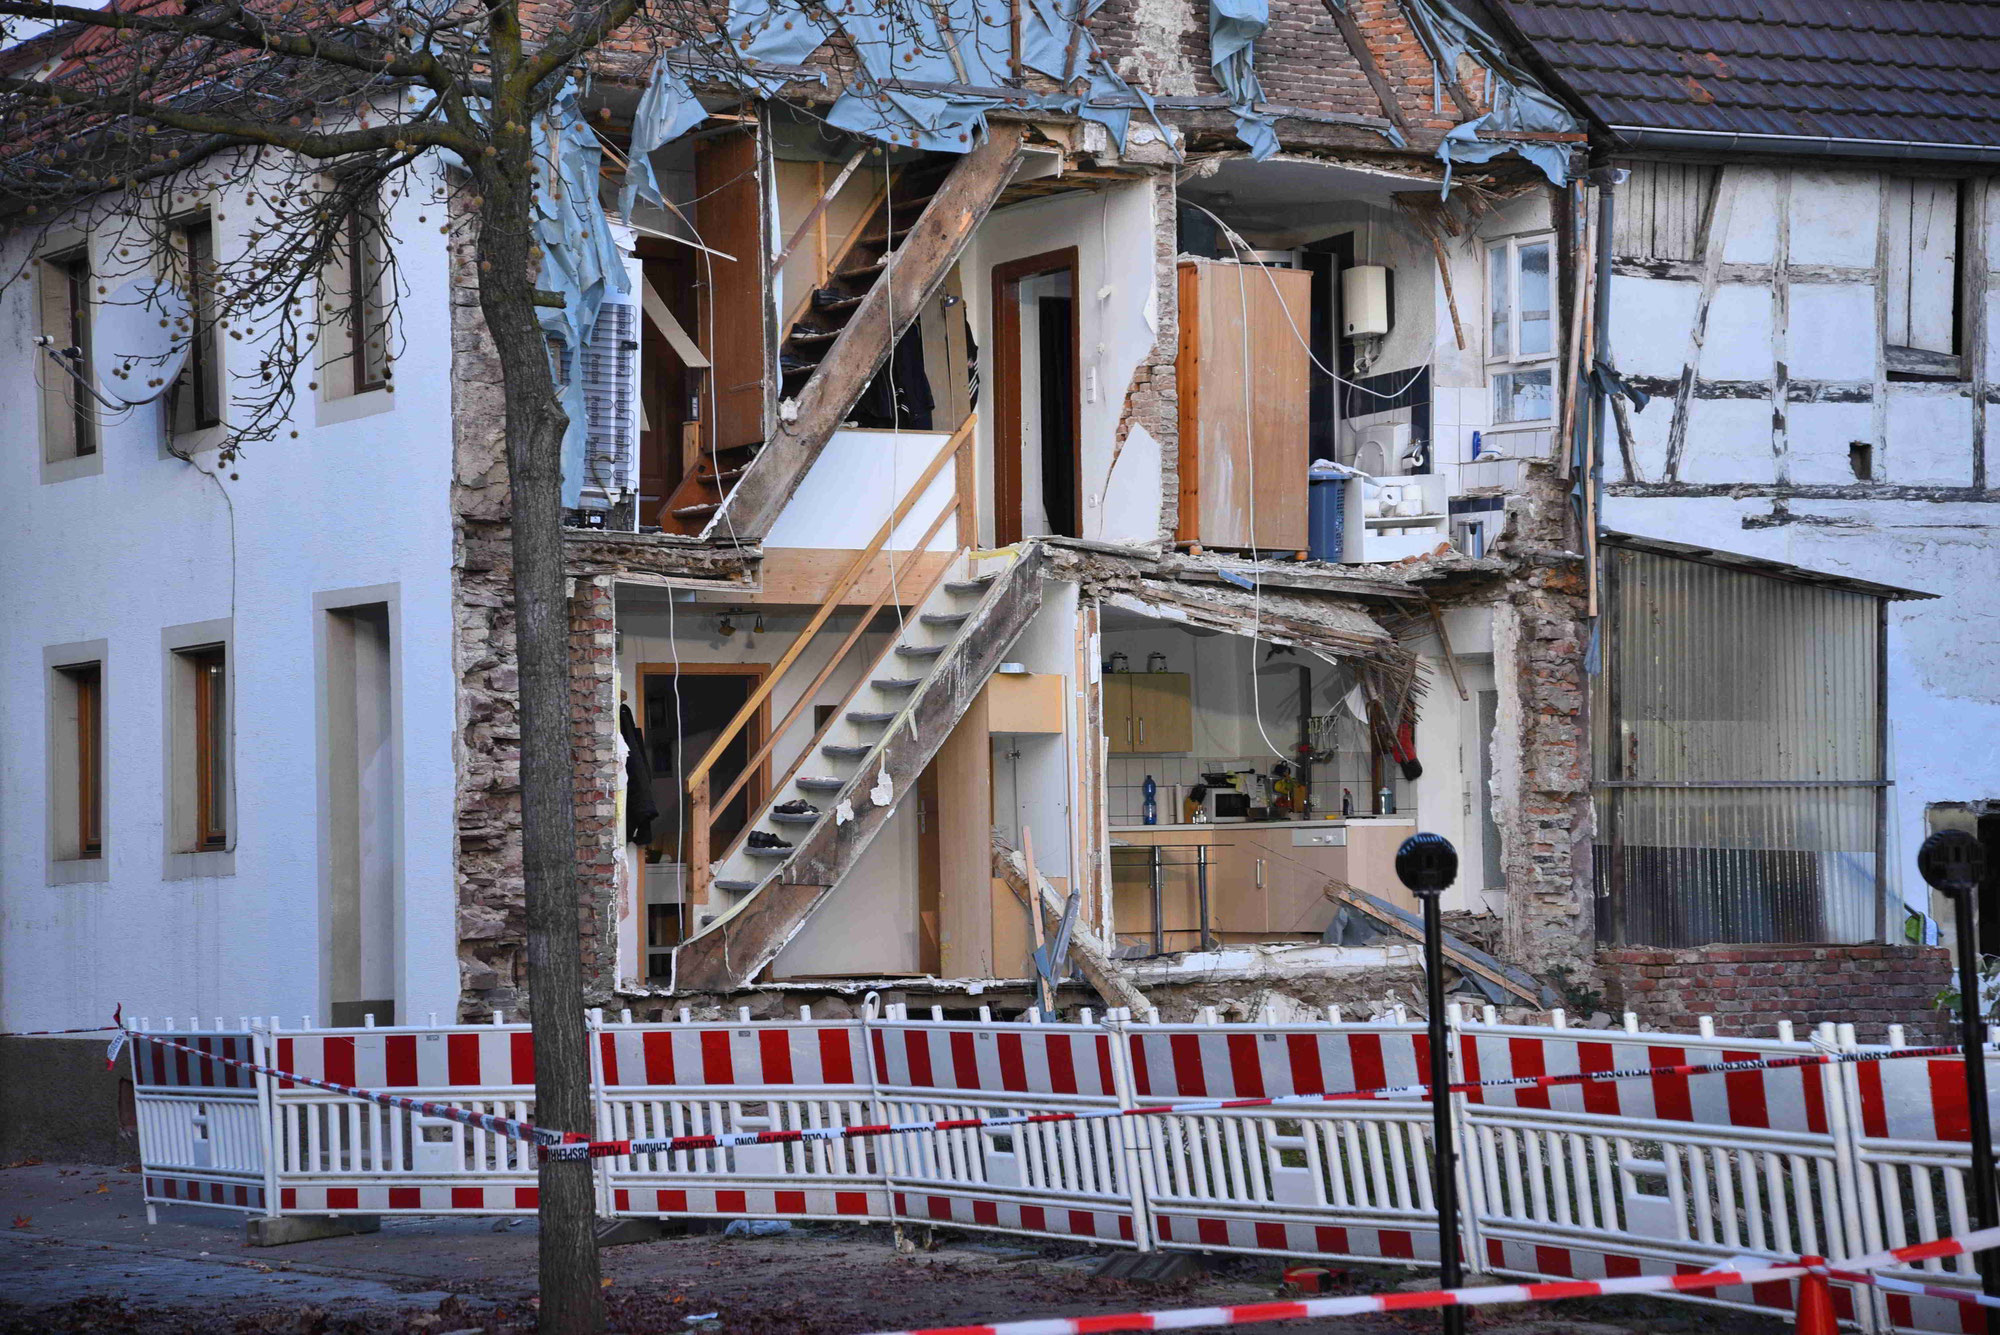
(572, 1302)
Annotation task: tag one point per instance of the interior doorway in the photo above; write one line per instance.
(360, 775)
(1038, 412)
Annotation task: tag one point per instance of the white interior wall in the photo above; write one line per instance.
(856, 483)
(868, 926)
(1118, 316)
(149, 543)
(1033, 787)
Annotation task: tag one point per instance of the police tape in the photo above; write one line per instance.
(612, 1149)
(511, 1127)
(1303, 1308)
(117, 1022)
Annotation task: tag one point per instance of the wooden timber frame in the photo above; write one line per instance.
(920, 264)
(732, 952)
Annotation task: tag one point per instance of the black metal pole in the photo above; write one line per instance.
(1952, 861)
(1427, 863)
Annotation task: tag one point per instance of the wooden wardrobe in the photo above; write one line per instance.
(1231, 458)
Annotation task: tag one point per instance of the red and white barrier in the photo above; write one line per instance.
(1585, 1154)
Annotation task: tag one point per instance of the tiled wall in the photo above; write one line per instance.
(1456, 415)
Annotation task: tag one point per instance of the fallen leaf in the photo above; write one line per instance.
(23, 1220)
(102, 1188)
(21, 1163)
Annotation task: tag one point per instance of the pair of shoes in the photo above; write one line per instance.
(798, 806)
(765, 839)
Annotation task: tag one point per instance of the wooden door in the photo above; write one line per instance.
(1119, 728)
(730, 216)
(1162, 713)
(1244, 405)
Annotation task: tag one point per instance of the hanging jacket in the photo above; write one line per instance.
(641, 808)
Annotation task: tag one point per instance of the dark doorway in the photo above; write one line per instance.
(707, 696)
(1324, 260)
(1037, 408)
(1057, 364)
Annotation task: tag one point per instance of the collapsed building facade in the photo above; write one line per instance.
(1007, 513)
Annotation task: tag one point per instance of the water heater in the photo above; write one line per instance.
(1364, 301)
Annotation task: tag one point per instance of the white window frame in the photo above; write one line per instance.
(1499, 363)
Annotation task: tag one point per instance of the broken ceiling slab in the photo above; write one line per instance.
(1269, 963)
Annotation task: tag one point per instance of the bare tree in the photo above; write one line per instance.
(312, 112)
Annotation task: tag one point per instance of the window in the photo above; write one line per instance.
(1741, 785)
(76, 757)
(69, 431)
(199, 748)
(1520, 342)
(211, 750)
(196, 403)
(1922, 275)
(355, 306)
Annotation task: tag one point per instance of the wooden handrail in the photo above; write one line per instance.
(861, 625)
(847, 581)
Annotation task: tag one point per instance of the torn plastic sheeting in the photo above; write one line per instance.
(964, 42)
(667, 110)
(1519, 102)
(1233, 29)
(581, 259)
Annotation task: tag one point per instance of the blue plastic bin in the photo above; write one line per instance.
(1325, 517)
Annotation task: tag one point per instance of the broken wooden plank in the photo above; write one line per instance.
(1097, 967)
(734, 951)
(891, 306)
(1461, 956)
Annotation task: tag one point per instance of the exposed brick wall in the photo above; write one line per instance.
(593, 692)
(1749, 988)
(492, 926)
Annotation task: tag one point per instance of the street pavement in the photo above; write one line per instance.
(78, 1255)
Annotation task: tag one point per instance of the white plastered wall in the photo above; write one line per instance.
(150, 543)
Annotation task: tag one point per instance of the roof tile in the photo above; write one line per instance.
(1918, 70)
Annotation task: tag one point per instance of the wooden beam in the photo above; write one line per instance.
(734, 951)
(806, 576)
(890, 307)
(816, 217)
(1350, 32)
(1455, 951)
(1098, 968)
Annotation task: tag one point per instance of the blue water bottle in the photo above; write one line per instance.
(1152, 801)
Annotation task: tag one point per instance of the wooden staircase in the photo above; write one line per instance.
(807, 832)
(813, 326)
(839, 335)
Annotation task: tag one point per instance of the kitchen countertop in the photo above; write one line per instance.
(1271, 824)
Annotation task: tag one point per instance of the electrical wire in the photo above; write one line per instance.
(1238, 244)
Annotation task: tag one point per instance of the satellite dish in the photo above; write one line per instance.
(140, 340)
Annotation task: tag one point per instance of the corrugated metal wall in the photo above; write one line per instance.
(1737, 757)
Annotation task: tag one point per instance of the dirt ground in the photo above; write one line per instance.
(79, 1256)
